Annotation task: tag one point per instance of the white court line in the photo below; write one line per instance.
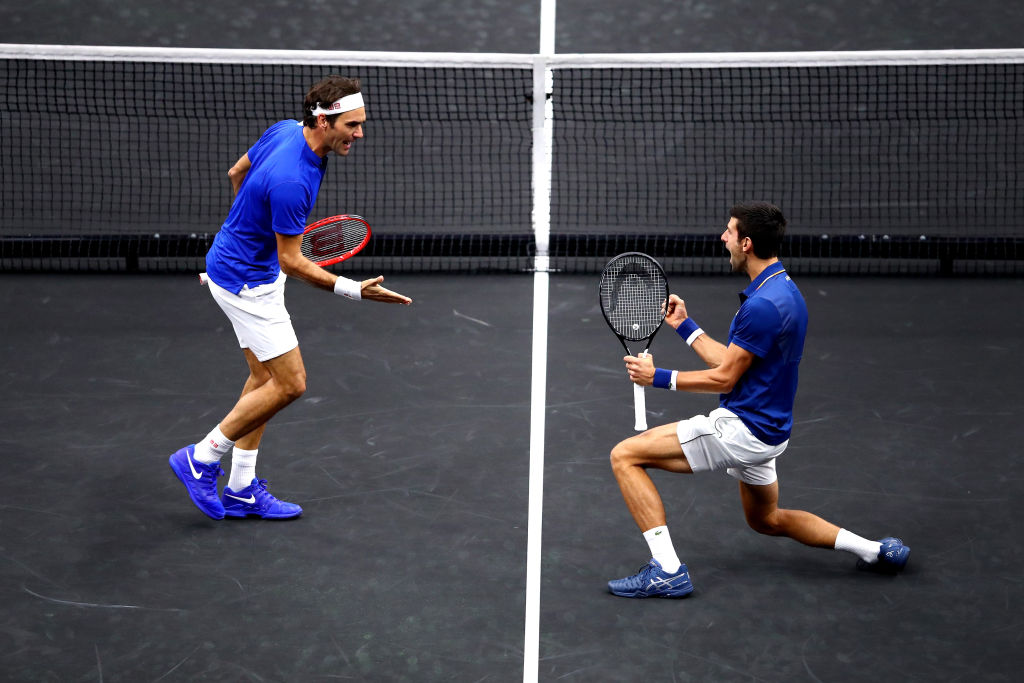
(547, 27)
(538, 389)
(541, 175)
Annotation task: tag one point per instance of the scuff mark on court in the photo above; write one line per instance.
(475, 320)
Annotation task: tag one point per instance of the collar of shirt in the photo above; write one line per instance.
(771, 271)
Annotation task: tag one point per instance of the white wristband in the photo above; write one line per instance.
(693, 336)
(672, 382)
(348, 288)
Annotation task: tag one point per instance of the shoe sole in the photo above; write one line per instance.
(242, 515)
(681, 593)
(880, 567)
(184, 481)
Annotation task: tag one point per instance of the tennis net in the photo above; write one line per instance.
(894, 163)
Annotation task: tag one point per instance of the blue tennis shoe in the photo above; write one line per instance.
(653, 582)
(256, 500)
(892, 557)
(200, 480)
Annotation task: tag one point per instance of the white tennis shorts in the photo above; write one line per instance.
(258, 315)
(720, 441)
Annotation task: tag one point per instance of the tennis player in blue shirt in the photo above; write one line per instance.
(276, 184)
(755, 373)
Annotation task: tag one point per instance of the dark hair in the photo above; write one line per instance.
(763, 223)
(324, 92)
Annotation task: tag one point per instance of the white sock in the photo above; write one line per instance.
(214, 447)
(861, 547)
(660, 543)
(243, 468)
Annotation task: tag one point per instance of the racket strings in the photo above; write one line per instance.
(332, 239)
(633, 295)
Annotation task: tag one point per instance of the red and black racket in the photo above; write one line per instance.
(634, 294)
(334, 239)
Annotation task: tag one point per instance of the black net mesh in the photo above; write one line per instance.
(880, 169)
(135, 165)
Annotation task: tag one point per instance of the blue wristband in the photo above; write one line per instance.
(662, 378)
(687, 327)
(689, 331)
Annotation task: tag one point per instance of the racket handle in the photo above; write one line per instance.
(639, 408)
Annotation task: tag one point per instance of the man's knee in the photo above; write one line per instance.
(293, 386)
(620, 454)
(769, 524)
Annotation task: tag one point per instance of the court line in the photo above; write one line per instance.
(547, 27)
(541, 176)
(538, 389)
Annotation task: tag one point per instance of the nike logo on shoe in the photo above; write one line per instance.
(250, 500)
(192, 467)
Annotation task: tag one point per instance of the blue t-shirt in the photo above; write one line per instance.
(276, 196)
(771, 324)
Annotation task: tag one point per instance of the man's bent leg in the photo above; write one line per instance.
(659, 448)
(760, 505)
(245, 494)
(287, 382)
(664, 576)
(246, 448)
(258, 376)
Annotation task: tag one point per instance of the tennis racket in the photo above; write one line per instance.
(634, 294)
(334, 239)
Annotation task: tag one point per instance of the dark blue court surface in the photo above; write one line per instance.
(410, 455)
(491, 26)
(410, 451)
(907, 423)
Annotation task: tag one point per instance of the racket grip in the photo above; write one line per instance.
(639, 408)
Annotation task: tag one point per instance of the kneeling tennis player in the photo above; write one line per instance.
(755, 373)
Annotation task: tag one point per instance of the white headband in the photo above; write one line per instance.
(346, 103)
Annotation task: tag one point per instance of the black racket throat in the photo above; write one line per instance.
(646, 345)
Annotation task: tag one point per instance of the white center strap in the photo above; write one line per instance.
(339, 106)
(348, 288)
